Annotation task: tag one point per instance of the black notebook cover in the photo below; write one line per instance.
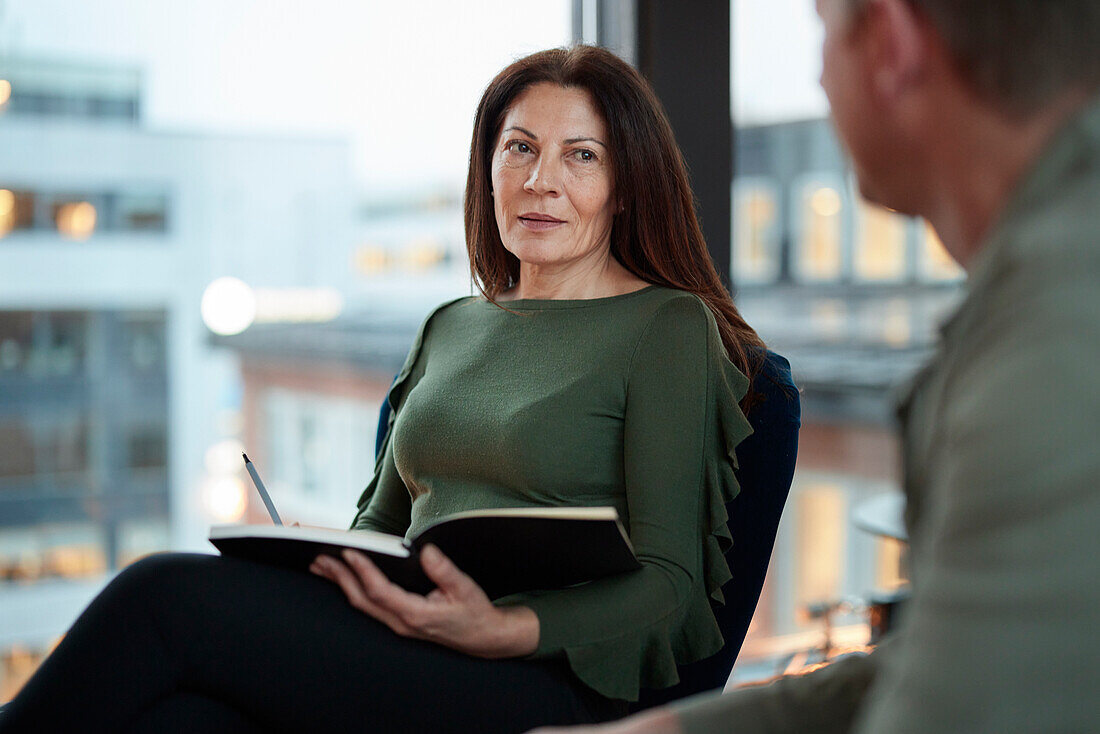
(516, 550)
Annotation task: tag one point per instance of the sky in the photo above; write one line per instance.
(399, 78)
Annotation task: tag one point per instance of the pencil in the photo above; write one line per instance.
(262, 490)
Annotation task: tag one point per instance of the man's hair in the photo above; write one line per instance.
(1020, 54)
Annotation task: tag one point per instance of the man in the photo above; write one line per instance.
(984, 117)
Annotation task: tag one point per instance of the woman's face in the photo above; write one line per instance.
(552, 186)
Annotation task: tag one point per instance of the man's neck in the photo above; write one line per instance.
(976, 169)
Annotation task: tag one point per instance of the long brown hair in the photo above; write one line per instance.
(656, 236)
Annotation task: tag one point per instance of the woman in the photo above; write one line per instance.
(602, 364)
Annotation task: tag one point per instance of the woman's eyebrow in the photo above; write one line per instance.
(573, 141)
(569, 141)
(523, 130)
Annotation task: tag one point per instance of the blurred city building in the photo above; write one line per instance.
(853, 295)
(115, 413)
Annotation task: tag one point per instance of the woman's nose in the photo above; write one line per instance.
(543, 179)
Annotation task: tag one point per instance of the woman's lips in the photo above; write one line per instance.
(539, 222)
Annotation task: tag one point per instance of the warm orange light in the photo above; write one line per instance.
(371, 259)
(5, 91)
(940, 264)
(224, 498)
(880, 251)
(825, 202)
(423, 254)
(7, 211)
(761, 210)
(76, 220)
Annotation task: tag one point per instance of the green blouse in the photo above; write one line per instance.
(627, 401)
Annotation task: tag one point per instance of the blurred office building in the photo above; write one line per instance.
(853, 295)
(121, 247)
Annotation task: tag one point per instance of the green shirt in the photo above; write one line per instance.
(627, 401)
(1002, 476)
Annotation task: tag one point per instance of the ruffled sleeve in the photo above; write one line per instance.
(385, 504)
(681, 426)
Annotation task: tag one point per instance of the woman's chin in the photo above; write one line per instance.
(539, 254)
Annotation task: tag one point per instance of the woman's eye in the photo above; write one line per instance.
(585, 156)
(518, 146)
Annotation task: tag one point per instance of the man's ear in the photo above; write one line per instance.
(897, 42)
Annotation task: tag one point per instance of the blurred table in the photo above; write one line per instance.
(883, 515)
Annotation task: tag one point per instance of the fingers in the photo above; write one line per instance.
(363, 591)
(383, 592)
(447, 576)
(368, 589)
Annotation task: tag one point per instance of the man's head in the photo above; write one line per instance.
(902, 74)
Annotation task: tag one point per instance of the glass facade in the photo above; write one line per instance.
(819, 226)
(756, 230)
(935, 263)
(77, 215)
(881, 252)
(83, 441)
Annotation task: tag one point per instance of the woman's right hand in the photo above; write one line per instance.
(457, 613)
(654, 721)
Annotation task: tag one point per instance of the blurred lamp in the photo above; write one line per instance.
(224, 457)
(224, 498)
(228, 306)
(76, 220)
(825, 202)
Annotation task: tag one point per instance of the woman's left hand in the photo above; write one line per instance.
(456, 614)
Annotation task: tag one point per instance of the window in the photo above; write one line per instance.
(71, 437)
(16, 449)
(75, 216)
(935, 262)
(79, 215)
(42, 345)
(755, 232)
(819, 252)
(65, 343)
(315, 450)
(53, 448)
(63, 448)
(59, 550)
(15, 341)
(147, 447)
(880, 251)
(140, 212)
(144, 342)
(896, 322)
(821, 542)
(16, 210)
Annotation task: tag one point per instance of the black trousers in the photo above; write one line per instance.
(197, 643)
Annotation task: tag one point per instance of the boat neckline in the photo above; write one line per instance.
(529, 303)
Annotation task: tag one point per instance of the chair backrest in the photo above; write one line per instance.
(765, 470)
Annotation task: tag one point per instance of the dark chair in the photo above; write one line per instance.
(766, 468)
